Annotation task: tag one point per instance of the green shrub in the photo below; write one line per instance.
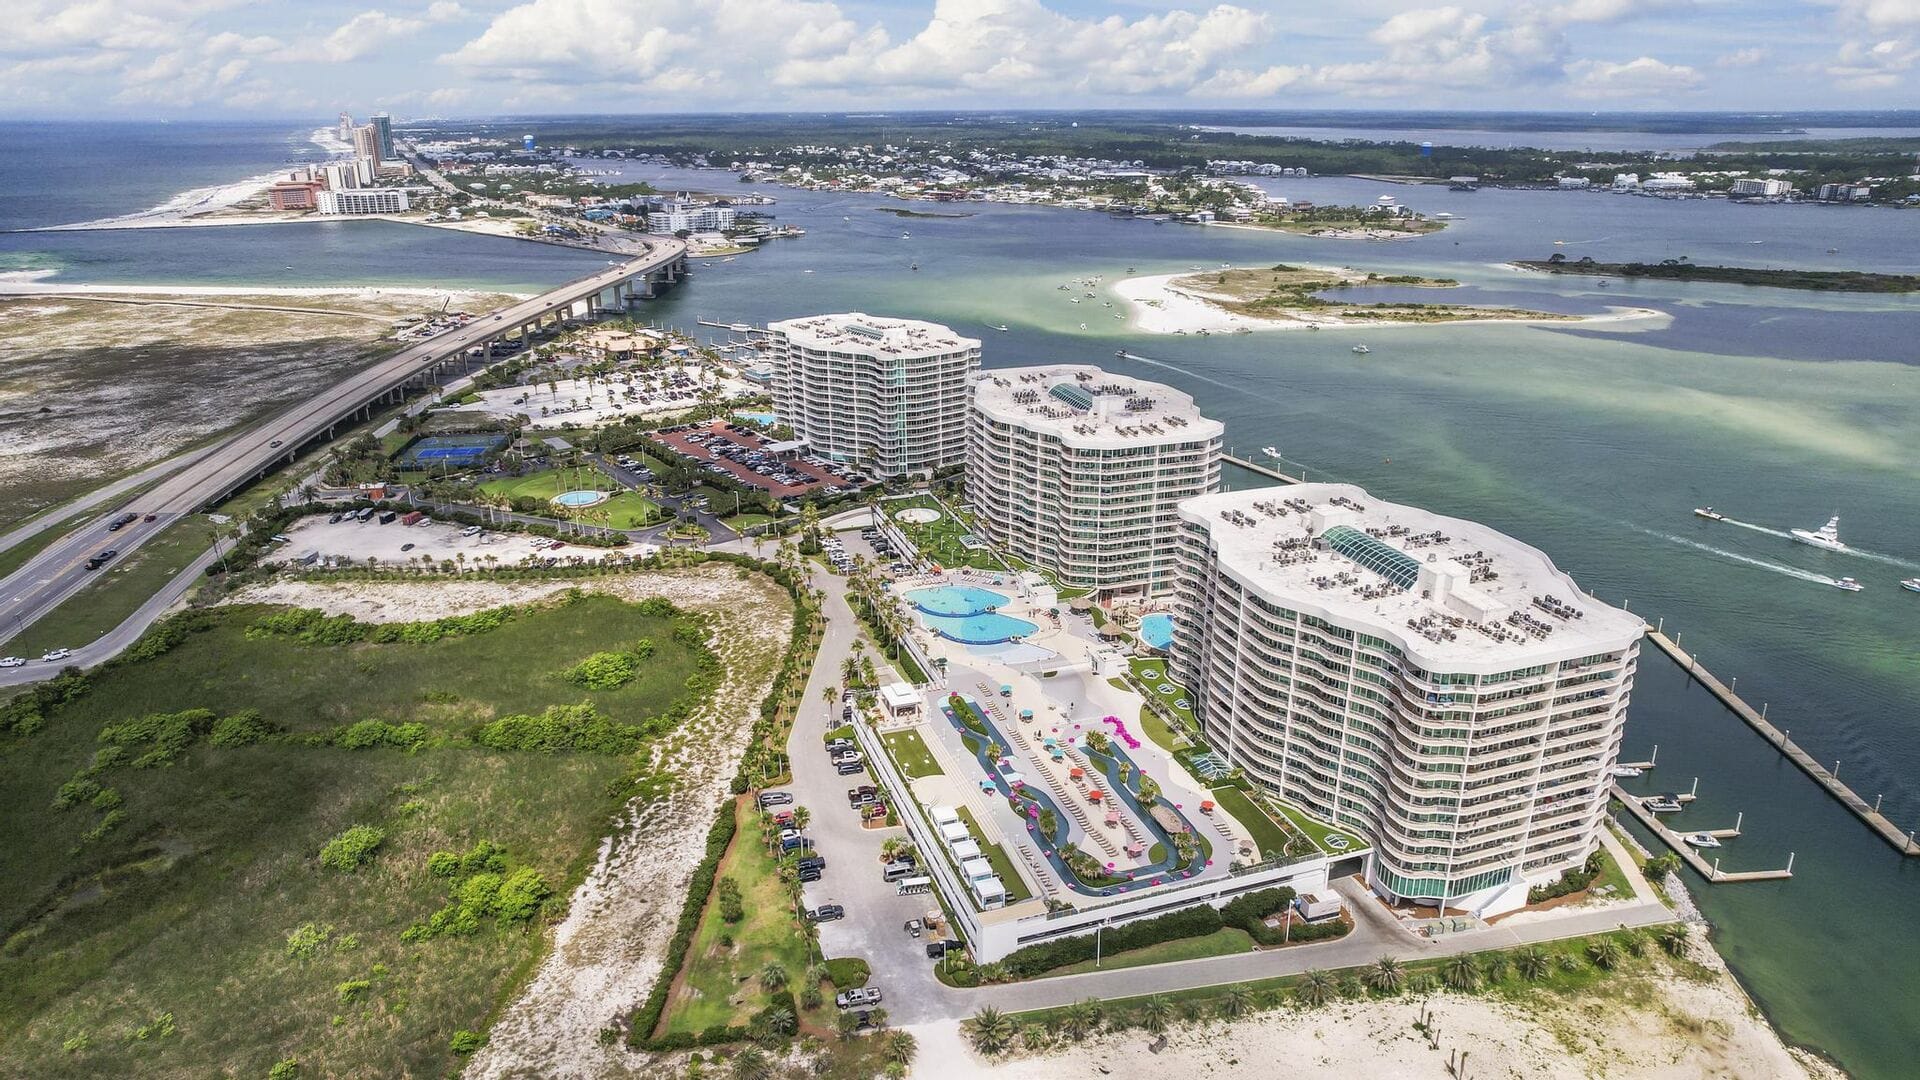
(467, 1042)
(561, 728)
(167, 734)
(369, 734)
(284, 1069)
(847, 972)
(353, 848)
(352, 990)
(728, 901)
(1197, 921)
(1572, 881)
(307, 939)
(521, 895)
(443, 864)
(484, 855)
(608, 670)
(74, 792)
(309, 626)
(243, 728)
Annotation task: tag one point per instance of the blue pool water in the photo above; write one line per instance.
(766, 418)
(989, 628)
(956, 600)
(1157, 630)
(578, 498)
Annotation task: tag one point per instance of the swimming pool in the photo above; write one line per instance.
(1157, 630)
(580, 498)
(956, 600)
(987, 628)
(766, 418)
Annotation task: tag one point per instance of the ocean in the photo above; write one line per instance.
(1593, 444)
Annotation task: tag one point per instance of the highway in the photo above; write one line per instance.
(60, 570)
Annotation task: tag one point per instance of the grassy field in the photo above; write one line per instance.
(192, 908)
(1318, 831)
(997, 856)
(720, 982)
(911, 754)
(117, 589)
(1267, 834)
(626, 510)
(1222, 942)
(1152, 674)
(939, 540)
(1156, 728)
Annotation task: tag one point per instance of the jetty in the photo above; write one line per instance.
(1710, 871)
(1902, 842)
(1267, 471)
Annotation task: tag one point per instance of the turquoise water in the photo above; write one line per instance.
(578, 498)
(956, 600)
(1157, 630)
(766, 418)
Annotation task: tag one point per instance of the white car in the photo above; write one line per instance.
(52, 655)
(11, 661)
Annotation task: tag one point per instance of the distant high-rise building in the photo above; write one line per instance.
(376, 201)
(346, 127)
(382, 125)
(340, 175)
(366, 144)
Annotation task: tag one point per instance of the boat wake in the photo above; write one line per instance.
(1890, 560)
(1781, 533)
(1188, 373)
(1778, 568)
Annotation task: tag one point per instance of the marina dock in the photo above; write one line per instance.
(1878, 822)
(1267, 471)
(1710, 871)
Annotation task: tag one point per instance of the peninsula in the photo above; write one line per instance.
(1682, 270)
(1289, 297)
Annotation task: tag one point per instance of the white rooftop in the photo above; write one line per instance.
(1457, 594)
(1086, 406)
(870, 335)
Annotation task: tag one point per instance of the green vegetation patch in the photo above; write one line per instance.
(910, 752)
(117, 590)
(1682, 270)
(237, 830)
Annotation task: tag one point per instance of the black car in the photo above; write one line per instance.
(807, 876)
(936, 949)
(848, 768)
(811, 862)
(826, 913)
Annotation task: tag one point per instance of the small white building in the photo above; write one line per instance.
(900, 699)
(1314, 906)
(976, 869)
(953, 832)
(989, 892)
(965, 850)
(943, 815)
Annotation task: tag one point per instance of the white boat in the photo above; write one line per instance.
(1702, 840)
(1271, 452)
(1848, 584)
(1662, 804)
(1826, 536)
(1911, 584)
(1709, 513)
(1362, 350)
(1623, 771)
(1002, 327)
(1083, 326)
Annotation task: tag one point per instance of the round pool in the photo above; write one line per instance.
(574, 500)
(918, 515)
(956, 600)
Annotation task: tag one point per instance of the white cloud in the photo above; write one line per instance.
(1743, 58)
(1880, 14)
(445, 11)
(1641, 78)
(365, 34)
(240, 44)
(1876, 65)
(44, 26)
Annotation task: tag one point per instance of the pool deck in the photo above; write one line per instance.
(1065, 706)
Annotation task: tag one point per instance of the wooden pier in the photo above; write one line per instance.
(1710, 871)
(1903, 842)
(1267, 471)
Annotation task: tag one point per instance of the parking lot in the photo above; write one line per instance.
(349, 541)
(738, 451)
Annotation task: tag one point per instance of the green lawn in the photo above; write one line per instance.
(625, 510)
(1267, 834)
(1156, 729)
(911, 754)
(185, 908)
(1318, 830)
(117, 589)
(997, 856)
(1222, 942)
(1141, 666)
(719, 983)
(1611, 874)
(939, 540)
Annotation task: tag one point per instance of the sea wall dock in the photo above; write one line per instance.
(1711, 871)
(1267, 471)
(1878, 822)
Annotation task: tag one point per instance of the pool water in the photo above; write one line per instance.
(1157, 630)
(956, 600)
(990, 628)
(766, 418)
(579, 498)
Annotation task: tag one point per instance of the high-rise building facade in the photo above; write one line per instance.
(1436, 685)
(362, 201)
(366, 145)
(1080, 472)
(346, 128)
(888, 396)
(382, 126)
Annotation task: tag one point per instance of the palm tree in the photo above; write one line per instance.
(1387, 975)
(1076, 1020)
(1634, 942)
(1495, 966)
(752, 1063)
(1236, 1003)
(1673, 938)
(1316, 988)
(1605, 953)
(1461, 973)
(900, 1046)
(801, 817)
(775, 1024)
(773, 976)
(1532, 964)
(1154, 1014)
(990, 1030)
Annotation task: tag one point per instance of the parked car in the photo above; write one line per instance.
(53, 655)
(848, 768)
(858, 997)
(12, 661)
(839, 746)
(809, 876)
(826, 913)
(811, 862)
(775, 798)
(914, 926)
(842, 757)
(936, 949)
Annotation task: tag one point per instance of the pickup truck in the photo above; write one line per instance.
(122, 522)
(101, 559)
(859, 997)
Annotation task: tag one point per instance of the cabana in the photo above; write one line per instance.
(900, 699)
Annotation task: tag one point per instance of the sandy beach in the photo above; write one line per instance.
(1156, 305)
(33, 283)
(1674, 1025)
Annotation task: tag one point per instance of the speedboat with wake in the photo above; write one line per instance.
(1848, 584)
(1911, 584)
(1826, 536)
(1709, 513)
(1361, 350)
(1271, 452)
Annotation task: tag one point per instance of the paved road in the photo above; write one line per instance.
(56, 573)
(66, 511)
(110, 644)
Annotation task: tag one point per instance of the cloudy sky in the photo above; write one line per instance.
(476, 57)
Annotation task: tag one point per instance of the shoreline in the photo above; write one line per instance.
(200, 200)
(1156, 306)
(10, 289)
